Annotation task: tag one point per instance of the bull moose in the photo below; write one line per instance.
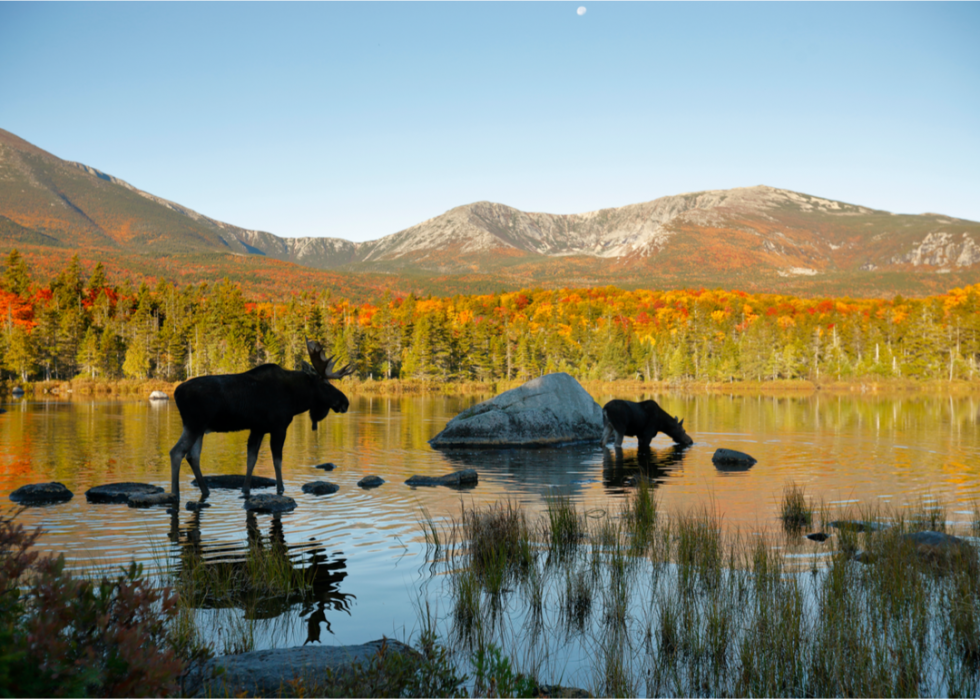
(263, 400)
(624, 418)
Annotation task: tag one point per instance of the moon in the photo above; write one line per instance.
(580, 11)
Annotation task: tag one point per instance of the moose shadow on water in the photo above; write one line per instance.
(266, 577)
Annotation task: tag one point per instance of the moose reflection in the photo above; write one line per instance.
(265, 578)
(623, 468)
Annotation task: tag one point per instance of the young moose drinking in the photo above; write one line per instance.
(624, 418)
(263, 400)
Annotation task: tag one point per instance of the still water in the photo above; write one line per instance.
(846, 451)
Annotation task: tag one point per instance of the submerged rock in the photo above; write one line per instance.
(151, 499)
(371, 481)
(267, 673)
(119, 492)
(159, 395)
(235, 482)
(329, 466)
(271, 504)
(549, 411)
(41, 494)
(732, 458)
(320, 488)
(467, 476)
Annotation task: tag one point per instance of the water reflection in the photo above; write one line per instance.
(621, 468)
(318, 574)
(569, 468)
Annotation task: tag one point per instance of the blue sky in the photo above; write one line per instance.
(358, 120)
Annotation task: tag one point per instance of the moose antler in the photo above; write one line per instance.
(324, 364)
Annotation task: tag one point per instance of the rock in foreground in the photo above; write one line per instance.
(120, 492)
(467, 476)
(732, 459)
(548, 411)
(270, 504)
(235, 482)
(267, 673)
(41, 494)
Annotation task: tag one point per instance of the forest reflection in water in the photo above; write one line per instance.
(368, 546)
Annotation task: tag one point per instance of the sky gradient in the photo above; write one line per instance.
(359, 120)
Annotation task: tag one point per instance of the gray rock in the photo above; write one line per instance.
(119, 492)
(41, 494)
(151, 499)
(370, 481)
(730, 457)
(159, 395)
(235, 482)
(320, 488)
(858, 526)
(326, 467)
(269, 503)
(467, 476)
(551, 410)
(267, 673)
(18, 391)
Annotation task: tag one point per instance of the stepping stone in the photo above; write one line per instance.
(119, 492)
(151, 499)
(467, 476)
(320, 488)
(370, 481)
(732, 458)
(235, 482)
(41, 494)
(329, 466)
(268, 503)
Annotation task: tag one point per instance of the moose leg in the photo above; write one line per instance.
(276, 440)
(607, 433)
(177, 454)
(194, 459)
(254, 442)
(619, 438)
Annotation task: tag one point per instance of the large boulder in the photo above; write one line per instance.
(545, 412)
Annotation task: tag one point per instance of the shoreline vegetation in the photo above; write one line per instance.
(134, 388)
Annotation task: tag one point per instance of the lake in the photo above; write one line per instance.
(845, 450)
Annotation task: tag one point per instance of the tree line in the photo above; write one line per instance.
(80, 324)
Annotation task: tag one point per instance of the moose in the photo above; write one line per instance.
(624, 418)
(263, 400)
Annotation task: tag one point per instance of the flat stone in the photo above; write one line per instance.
(159, 395)
(858, 526)
(329, 466)
(41, 494)
(370, 481)
(320, 488)
(194, 505)
(119, 492)
(151, 499)
(235, 482)
(269, 503)
(467, 476)
(732, 457)
(267, 673)
(548, 411)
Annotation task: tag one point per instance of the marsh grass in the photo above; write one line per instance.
(796, 510)
(676, 604)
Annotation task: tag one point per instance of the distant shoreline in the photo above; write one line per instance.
(130, 388)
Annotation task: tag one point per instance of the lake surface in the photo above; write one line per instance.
(846, 451)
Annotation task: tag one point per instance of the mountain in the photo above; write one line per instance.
(757, 238)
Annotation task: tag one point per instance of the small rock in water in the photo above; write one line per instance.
(159, 395)
(269, 503)
(467, 476)
(329, 466)
(320, 488)
(18, 391)
(151, 499)
(41, 494)
(819, 536)
(119, 492)
(194, 505)
(235, 482)
(732, 458)
(370, 481)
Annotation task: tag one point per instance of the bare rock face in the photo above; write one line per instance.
(41, 494)
(467, 476)
(549, 411)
